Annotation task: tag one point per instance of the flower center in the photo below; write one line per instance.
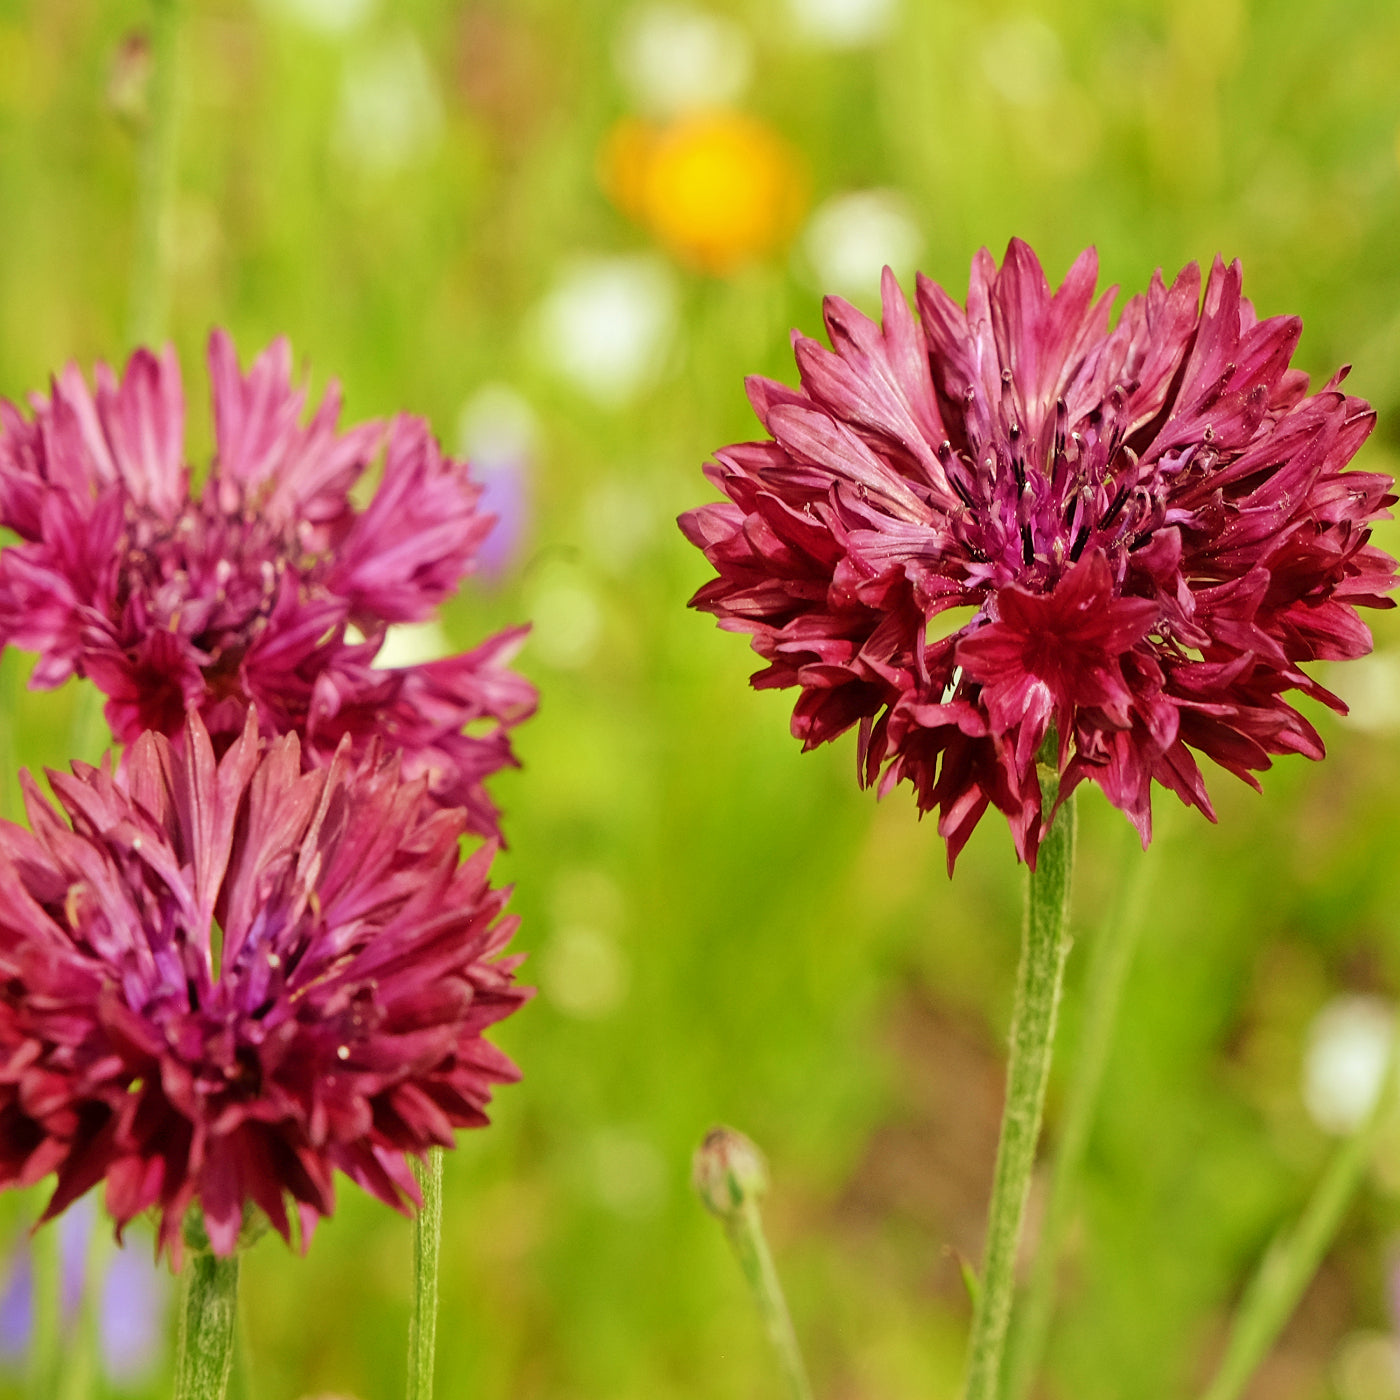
(211, 577)
(1034, 503)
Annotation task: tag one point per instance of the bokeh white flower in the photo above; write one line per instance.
(389, 113)
(1344, 1064)
(334, 17)
(842, 24)
(607, 325)
(497, 424)
(674, 57)
(851, 237)
(1371, 688)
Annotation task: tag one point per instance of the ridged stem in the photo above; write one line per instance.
(150, 265)
(208, 1319)
(427, 1247)
(1044, 947)
(1293, 1258)
(1110, 959)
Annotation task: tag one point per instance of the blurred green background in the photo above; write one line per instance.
(564, 230)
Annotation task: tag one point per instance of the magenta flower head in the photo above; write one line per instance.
(268, 586)
(977, 527)
(226, 979)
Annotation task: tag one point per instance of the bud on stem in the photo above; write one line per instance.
(730, 1177)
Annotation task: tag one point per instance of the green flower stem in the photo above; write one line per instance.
(1044, 947)
(208, 1318)
(1293, 1258)
(427, 1246)
(745, 1231)
(150, 267)
(1110, 960)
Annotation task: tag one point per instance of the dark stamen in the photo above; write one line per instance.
(1080, 540)
(1118, 502)
(1027, 547)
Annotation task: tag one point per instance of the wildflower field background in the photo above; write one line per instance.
(532, 222)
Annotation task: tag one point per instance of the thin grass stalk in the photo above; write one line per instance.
(78, 1371)
(150, 264)
(1293, 1258)
(46, 1263)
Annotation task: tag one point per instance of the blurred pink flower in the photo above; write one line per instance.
(1148, 528)
(168, 598)
(226, 980)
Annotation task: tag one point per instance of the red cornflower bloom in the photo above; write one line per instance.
(242, 592)
(226, 979)
(974, 526)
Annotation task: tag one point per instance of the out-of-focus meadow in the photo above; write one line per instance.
(565, 230)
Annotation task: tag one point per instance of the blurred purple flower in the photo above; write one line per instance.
(225, 981)
(17, 1304)
(131, 1306)
(498, 434)
(505, 494)
(242, 593)
(131, 1316)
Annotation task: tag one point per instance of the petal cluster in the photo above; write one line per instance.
(225, 979)
(979, 525)
(267, 586)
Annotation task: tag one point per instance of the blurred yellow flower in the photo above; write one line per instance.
(716, 188)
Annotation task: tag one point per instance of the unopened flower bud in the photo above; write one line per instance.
(729, 1172)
